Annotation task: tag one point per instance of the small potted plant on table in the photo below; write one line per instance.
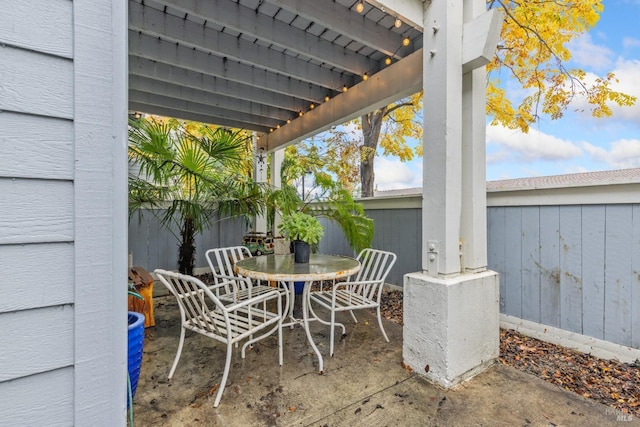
(304, 231)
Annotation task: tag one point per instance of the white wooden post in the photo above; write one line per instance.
(259, 175)
(275, 180)
(451, 307)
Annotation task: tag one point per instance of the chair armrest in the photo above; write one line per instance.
(260, 298)
(229, 281)
(359, 283)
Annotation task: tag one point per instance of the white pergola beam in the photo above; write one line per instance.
(187, 115)
(343, 20)
(401, 79)
(203, 109)
(245, 20)
(143, 84)
(152, 48)
(480, 38)
(409, 11)
(188, 33)
(207, 83)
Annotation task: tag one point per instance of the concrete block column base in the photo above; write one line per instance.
(451, 325)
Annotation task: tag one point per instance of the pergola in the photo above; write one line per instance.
(289, 69)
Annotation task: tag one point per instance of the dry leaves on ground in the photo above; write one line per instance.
(613, 383)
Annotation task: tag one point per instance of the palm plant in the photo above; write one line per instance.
(192, 173)
(330, 200)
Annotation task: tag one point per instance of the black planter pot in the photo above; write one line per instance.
(301, 251)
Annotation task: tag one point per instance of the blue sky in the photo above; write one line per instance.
(577, 142)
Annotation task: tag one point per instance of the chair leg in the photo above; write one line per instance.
(324, 322)
(333, 327)
(223, 382)
(178, 353)
(353, 315)
(280, 342)
(381, 327)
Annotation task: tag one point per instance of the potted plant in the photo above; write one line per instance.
(304, 231)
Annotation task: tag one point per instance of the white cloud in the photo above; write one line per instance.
(394, 174)
(630, 42)
(535, 145)
(624, 153)
(628, 74)
(586, 54)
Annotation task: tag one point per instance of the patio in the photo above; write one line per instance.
(363, 384)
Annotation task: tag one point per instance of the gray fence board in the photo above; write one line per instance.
(530, 272)
(513, 259)
(549, 266)
(635, 278)
(496, 247)
(617, 314)
(570, 268)
(593, 253)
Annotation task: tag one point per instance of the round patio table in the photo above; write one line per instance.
(282, 268)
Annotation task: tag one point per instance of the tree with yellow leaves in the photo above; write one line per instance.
(533, 51)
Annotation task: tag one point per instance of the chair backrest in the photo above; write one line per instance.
(222, 260)
(195, 300)
(375, 265)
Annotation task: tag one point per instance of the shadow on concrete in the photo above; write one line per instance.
(364, 384)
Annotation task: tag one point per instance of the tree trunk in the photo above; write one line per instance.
(371, 125)
(187, 249)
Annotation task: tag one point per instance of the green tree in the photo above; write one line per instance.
(324, 196)
(191, 171)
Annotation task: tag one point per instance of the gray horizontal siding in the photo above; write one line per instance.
(36, 146)
(40, 25)
(38, 400)
(36, 83)
(36, 211)
(35, 341)
(36, 275)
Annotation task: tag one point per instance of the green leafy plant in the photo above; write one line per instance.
(303, 227)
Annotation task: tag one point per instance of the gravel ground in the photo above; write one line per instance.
(610, 382)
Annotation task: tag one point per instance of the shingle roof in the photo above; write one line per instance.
(585, 179)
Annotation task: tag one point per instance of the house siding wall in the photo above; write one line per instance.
(62, 132)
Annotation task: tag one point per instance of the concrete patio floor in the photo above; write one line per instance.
(364, 384)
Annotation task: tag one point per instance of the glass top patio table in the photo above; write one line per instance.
(282, 268)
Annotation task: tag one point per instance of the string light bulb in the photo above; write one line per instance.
(398, 23)
(360, 6)
(406, 41)
(300, 114)
(326, 98)
(365, 77)
(288, 121)
(345, 88)
(387, 60)
(312, 106)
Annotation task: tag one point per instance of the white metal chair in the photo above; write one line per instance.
(202, 312)
(234, 287)
(359, 292)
